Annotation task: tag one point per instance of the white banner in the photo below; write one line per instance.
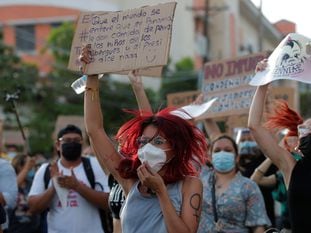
(291, 60)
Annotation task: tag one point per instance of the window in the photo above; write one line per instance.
(25, 38)
(56, 25)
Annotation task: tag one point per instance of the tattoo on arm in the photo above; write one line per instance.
(195, 203)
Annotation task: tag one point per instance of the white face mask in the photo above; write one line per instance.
(11, 154)
(156, 157)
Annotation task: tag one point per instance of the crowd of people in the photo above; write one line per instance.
(161, 173)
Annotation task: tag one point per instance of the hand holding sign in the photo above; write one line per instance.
(125, 40)
(291, 60)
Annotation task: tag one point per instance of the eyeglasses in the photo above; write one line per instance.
(69, 140)
(156, 141)
(303, 131)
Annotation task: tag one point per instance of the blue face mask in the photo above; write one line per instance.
(31, 174)
(223, 161)
(247, 147)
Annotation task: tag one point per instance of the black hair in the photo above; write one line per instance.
(69, 129)
(230, 139)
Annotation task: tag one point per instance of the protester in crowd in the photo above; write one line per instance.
(156, 166)
(279, 192)
(11, 151)
(116, 200)
(283, 123)
(8, 189)
(83, 183)
(21, 220)
(250, 158)
(231, 202)
(297, 174)
(116, 195)
(250, 155)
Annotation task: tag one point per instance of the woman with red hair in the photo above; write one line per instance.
(285, 119)
(297, 174)
(157, 166)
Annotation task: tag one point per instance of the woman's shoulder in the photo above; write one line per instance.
(191, 182)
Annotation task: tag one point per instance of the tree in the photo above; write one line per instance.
(14, 74)
(182, 78)
(19, 79)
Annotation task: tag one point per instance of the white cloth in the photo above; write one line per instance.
(79, 216)
(8, 186)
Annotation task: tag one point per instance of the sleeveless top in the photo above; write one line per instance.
(141, 214)
(299, 196)
(116, 197)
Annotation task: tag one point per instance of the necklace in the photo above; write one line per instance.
(219, 186)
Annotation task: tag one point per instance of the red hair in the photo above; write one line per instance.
(284, 117)
(187, 141)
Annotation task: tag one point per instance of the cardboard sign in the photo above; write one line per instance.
(181, 99)
(228, 81)
(291, 60)
(125, 40)
(283, 93)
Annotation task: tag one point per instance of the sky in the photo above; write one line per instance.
(297, 11)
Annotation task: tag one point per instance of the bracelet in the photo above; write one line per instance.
(92, 90)
(260, 171)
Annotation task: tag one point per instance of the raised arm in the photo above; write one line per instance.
(211, 128)
(279, 156)
(210, 125)
(259, 174)
(106, 153)
(139, 91)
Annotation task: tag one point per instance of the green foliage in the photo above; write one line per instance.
(305, 103)
(182, 78)
(59, 42)
(14, 74)
(18, 78)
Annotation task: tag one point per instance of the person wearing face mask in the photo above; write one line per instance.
(231, 202)
(70, 174)
(297, 174)
(250, 157)
(285, 119)
(156, 165)
(21, 220)
(248, 152)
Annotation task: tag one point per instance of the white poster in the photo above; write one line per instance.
(194, 111)
(291, 60)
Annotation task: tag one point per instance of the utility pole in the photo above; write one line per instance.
(206, 10)
(260, 28)
(206, 26)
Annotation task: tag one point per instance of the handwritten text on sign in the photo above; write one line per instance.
(124, 40)
(228, 80)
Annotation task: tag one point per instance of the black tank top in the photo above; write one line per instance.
(299, 197)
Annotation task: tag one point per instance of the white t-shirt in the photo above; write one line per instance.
(79, 216)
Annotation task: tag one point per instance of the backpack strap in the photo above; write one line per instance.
(87, 168)
(88, 171)
(47, 176)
